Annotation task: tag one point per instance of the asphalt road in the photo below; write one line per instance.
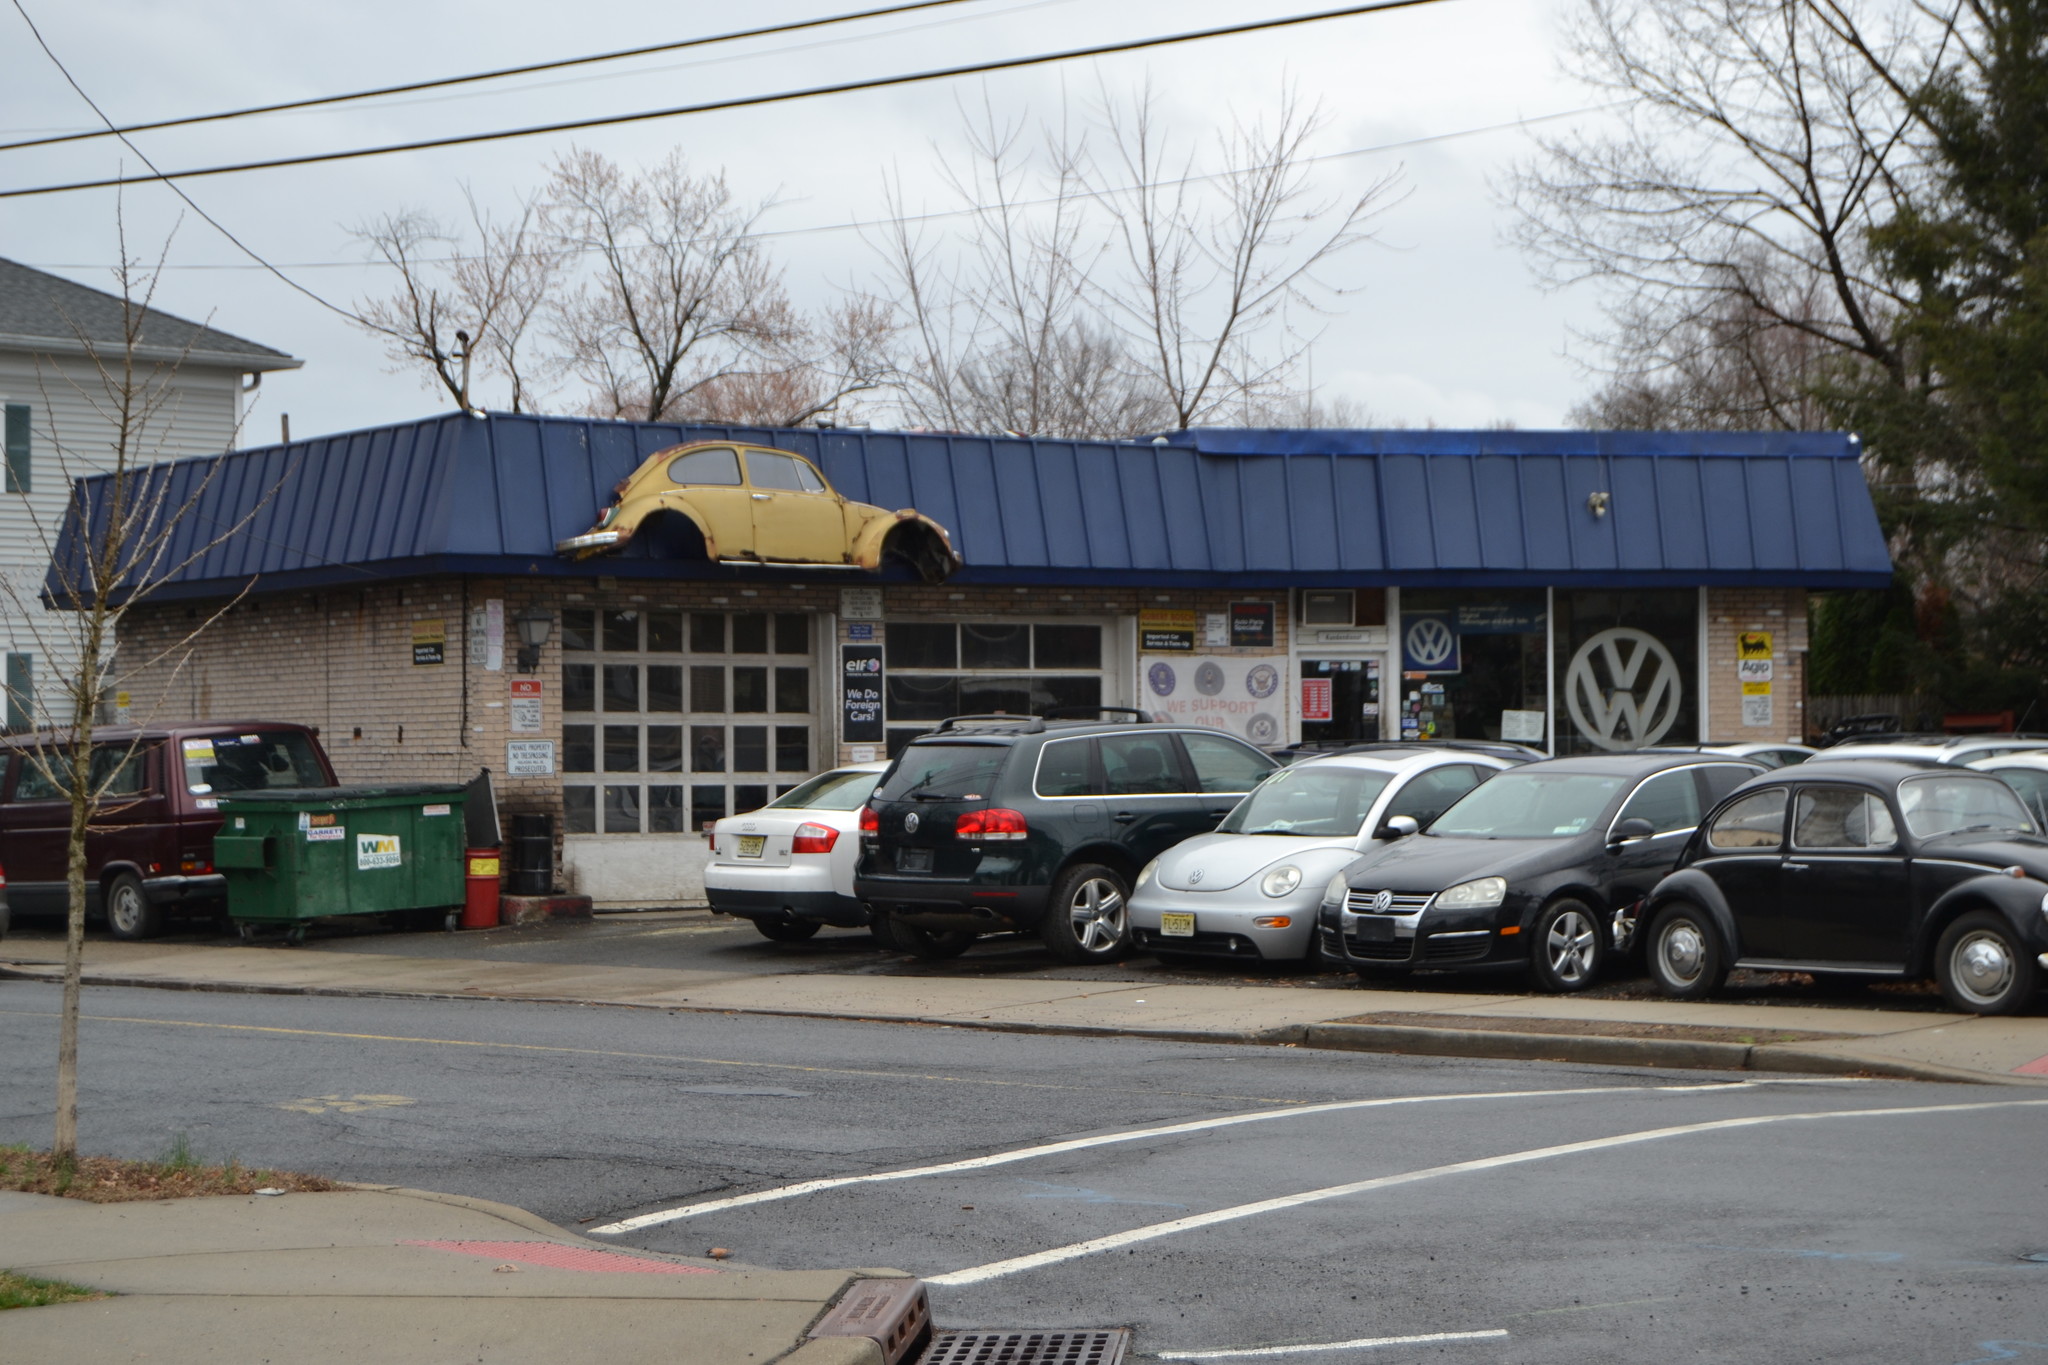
(1797, 1221)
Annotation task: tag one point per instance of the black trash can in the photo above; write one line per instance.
(533, 856)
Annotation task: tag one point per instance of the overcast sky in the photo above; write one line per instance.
(1446, 325)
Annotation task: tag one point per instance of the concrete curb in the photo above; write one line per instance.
(1478, 1044)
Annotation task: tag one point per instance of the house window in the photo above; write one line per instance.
(969, 668)
(674, 719)
(18, 461)
(21, 692)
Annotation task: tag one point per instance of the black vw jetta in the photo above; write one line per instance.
(1861, 867)
(1538, 867)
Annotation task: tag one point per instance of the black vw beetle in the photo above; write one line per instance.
(1864, 867)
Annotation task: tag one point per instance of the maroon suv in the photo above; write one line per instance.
(149, 849)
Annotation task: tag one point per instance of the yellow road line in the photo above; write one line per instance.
(631, 1056)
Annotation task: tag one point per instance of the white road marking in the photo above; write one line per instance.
(660, 1216)
(1361, 1344)
(996, 1270)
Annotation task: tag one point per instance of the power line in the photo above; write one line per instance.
(499, 74)
(217, 225)
(748, 101)
(859, 225)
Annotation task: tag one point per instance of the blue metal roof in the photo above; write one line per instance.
(1225, 508)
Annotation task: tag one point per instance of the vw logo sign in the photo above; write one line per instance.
(910, 823)
(1383, 902)
(1196, 876)
(1430, 642)
(1622, 689)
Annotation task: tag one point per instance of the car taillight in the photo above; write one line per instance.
(814, 839)
(870, 823)
(194, 865)
(994, 823)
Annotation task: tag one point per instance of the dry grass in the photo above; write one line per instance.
(177, 1174)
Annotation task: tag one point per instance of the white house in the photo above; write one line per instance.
(59, 341)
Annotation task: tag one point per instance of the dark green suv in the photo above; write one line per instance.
(997, 823)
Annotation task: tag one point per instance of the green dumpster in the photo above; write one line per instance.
(298, 854)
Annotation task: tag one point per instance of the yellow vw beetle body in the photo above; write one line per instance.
(755, 505)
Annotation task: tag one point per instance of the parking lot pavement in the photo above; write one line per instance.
(695, 961)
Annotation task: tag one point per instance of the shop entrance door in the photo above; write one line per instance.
(1340, 700)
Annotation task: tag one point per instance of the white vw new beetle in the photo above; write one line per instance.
(1250, 889)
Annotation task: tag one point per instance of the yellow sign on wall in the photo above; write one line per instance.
(1753, 644)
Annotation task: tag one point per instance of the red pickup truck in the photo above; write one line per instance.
(149, 849)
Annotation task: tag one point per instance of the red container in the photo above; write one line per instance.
(480, 889)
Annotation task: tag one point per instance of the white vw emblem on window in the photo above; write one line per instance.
(1383, 902)
(1612, 701)
(910, 823)
(1430, 642)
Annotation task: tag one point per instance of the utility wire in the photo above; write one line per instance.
(861, 225)
(217, 225)
(111, 131)
(743, 102)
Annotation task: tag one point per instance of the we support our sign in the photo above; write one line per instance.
(860, 693)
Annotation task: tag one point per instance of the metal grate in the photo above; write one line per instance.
(1398, 902)
(1081, 1346)
(1393, 950)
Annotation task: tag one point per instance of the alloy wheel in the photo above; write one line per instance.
(1097, 911)
(1572, 945)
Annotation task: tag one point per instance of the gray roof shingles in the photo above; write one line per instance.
(34, 303)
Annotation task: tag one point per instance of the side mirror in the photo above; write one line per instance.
(1635, 827)
(1397, 827)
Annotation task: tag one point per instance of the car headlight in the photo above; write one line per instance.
(1280, 880)
(1145, 875)
(1483, 894)
(1337, 890)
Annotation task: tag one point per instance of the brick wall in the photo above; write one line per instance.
(1731, 612)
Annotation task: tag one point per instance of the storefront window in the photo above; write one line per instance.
(1627, 669)
(941, 669)
(1473, 664)
(644, 719)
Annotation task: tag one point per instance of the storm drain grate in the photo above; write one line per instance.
(1081, 1346)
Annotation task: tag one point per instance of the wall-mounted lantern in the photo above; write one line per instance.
(535, 625)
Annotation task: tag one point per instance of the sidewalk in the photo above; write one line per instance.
(1836, 1041)
(384, 1274)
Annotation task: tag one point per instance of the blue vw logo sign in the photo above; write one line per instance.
(1430, 642)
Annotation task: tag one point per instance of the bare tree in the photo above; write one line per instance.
(122, 534)
(1760, 142)
(455, 304)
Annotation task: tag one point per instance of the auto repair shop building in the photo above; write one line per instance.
(1577, 591)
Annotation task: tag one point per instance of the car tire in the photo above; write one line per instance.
(1686, 957)
(1983, 967)
(1088, 918)
(129, 914)
(933, 945)
(1567, 948)
(783, 929)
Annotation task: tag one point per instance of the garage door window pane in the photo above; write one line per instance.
(622, 748)
(665, 632)
(707, 748)
(621, 632)
(749, 689)
(579, 749)
(749, 797)
(995, 646)
(915, 644)
(1068, 694)
(1067, 646)
(579, 629)
(621, 810)
(665, 811)
(750, 748)
(987, 696)
(707, 632)
(579, 687)
(707, 807)
(621, 687)
(664, 748)
(792, 748)
(792, 633)
(915, 698)
(579, 810)
(793, 689)
(707, 688)
(665, 687)
(750, 633)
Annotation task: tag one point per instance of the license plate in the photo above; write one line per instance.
(1172, 925)
(752, 844)
(913, 860)
(1376, 930)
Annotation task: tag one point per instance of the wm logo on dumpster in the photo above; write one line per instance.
(376, 850)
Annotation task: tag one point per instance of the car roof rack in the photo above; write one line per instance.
(1078, 712)
(1502, 748)
(1025, 725)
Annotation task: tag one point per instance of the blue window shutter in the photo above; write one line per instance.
(17, 448)
(21, 691)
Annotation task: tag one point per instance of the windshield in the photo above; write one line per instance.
(252, 762)
(1961, 805)
(828, 791)
(1320, 800)
(1530, 805)
(943, 772)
